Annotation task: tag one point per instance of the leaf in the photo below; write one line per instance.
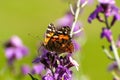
(33, 78)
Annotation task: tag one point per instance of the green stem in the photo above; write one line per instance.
(106, 22)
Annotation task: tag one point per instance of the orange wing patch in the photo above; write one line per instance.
(64, 37)
(48, 36)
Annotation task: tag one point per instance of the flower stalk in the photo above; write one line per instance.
(76, 14)
(115, 53)
(108, 9)
(106, 22)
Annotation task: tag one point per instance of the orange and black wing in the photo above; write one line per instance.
(49, 33)
(58, 40)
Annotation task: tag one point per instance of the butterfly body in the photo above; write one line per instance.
(58, 40)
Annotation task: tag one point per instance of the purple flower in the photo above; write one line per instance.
(25, 69)
(114, 69)
(76, 45)
(78, 26)
(107, 34)
(68, 62)
(37, 68)
(43, 52)
(66, 20)
(108, 8)
(107, 1)
(14, 49)
(57, 66)
(63, 73)
(113, 66)
(115, 12)
(48, 76)
(95, 14)
(47, 58)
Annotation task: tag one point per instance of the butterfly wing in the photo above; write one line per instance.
(49, 33)
(58, 40)
(65, 39)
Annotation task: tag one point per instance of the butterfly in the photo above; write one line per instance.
(58, 40)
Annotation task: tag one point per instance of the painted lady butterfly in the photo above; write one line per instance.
(58, 40)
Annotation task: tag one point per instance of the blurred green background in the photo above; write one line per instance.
(21, 17)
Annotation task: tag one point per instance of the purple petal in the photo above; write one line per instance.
(25, 69)
(90, 2)
(16, 41)
(43, 51)
(76, 45)
(24, 50)
(66, 20)
(117, 13)
(95, 14)
(117, 16)
(63, 73)
(107, 1)
(107, 34)
(112, 66)
(78, 26)
(36, 60)
(48, 77)
(9, 53)
(18, 53)
(38, 68)
(14, 49)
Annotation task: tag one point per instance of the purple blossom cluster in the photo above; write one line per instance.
(57, 67)
(14, 49)
(108, 9)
